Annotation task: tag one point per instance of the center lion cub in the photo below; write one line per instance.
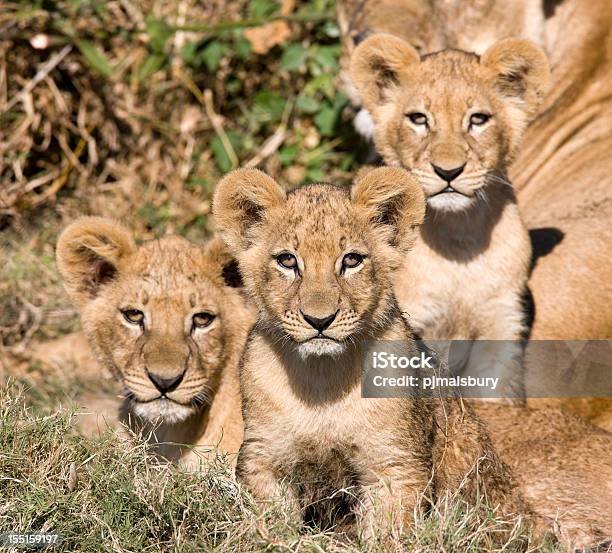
(319, 263)
(455, 121)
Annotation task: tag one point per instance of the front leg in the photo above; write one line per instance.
(389, 503)
(465, 462)
(257, 471)
(498, 351)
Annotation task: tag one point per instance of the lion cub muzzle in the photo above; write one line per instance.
(165, 361)
(165, 385)
(319, 323)
(448, 160)
(448, 175)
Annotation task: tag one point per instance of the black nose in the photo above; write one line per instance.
(319, 323)
(163, 384)
(448, 174)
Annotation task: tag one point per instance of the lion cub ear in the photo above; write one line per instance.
(225, 266)
(240, 203)
(89, 253)
(521, 71)
(394, 201)
(376, 65)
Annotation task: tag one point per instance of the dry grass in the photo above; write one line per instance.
(107, 104)
(103, 494)
(113, 143)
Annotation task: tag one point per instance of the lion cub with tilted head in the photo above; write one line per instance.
(455, 120)
(319, 264)
(166, 319)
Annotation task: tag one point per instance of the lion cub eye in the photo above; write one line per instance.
(352, 260)
(133, 316)
(287, 260)
(417, 118)
(478, 119)
(202, 320)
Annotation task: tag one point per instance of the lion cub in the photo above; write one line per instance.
(319, 264)
(165, 319)
(455, 120)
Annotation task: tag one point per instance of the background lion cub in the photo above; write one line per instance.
(319, 264)
(455, 120)
(163, 318)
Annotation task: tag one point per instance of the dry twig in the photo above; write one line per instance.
(216, 121)
(40, 76)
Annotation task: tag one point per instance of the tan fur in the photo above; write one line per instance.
(564, 181)
(70, 355)
(169, 280)
(563, 173)
(467, 273)
(562, 465)
(308, 431)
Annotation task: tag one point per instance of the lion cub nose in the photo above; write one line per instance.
(319, 323)
(165, 384)
(448, 174)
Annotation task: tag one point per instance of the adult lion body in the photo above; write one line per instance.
(564, 177)
(163, 319)
(562, 464)
(564, 181)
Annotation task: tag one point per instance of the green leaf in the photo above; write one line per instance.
(325, 120)
(95, 57)
(287, 154)
(159, 32)
(223, 161)
(262, 8)
(221, 158)
(152, 64)
(307, 104)
(322, 83)
(316, 174)
(243, 48)
(294, 57)
(340, 101)
(247, 142)
(189, 52)
(234, 86)
(327, 56)
(155, 216)
(268, 107)
(315, 6)
(213, 54)
(347, 161)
